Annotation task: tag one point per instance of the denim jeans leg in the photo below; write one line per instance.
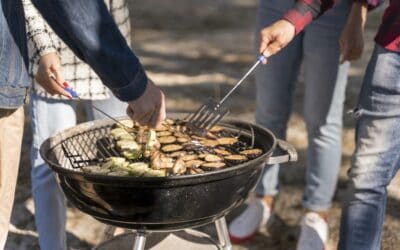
(274, 91)
(376, 159)
(48, 117)
(325, 85)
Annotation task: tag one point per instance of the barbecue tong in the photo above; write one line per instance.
(211, 112)
(75, 95)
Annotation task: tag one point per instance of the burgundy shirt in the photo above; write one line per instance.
(304, 11)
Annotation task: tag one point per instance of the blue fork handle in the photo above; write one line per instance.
(261, 58)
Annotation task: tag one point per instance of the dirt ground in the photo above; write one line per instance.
(197, 49)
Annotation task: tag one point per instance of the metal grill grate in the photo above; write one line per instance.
(94, 145)
(90, 147)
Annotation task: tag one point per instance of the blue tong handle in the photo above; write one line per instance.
(70, 91)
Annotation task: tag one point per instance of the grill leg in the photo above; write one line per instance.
(140, 241)
(223, 235)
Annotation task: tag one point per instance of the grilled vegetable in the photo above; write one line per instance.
(115, 162)
(179, 128)
(212, 158)
(151, 140)
(252, 153)
(171, 148)
(178, 154)
(151, 143)
(132, 154)
(180, 134)
(196, 171)
(209, 143)
(227, 140)
(211, 135)
(167, 139)
(128, 145)
(182, 139)
(160, 161)
(162, 127)
(127, 123)
(197, 138)
(155, 173)
(194, 163)
(118, 132)
(216, 129)
(202, 156)
(189, 157)
(210, 166)
(141, 136)
(236, 159)
(169, 122)
(222, 152)
(138, 168)
(163, 133)
(127, 137)
(179, 167)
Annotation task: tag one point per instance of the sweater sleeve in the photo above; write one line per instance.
(91, 33)
(38, 31)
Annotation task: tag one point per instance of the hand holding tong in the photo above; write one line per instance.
(75, 95)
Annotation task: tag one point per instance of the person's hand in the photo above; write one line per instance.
(351, 40)
(148, 109)
(275, 37)
(49, 66)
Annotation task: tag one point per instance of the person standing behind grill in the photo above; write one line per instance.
(53, 113)
(89, 30)
(317, 46)
(375, 161)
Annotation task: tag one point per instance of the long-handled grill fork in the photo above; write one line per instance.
(211, 112)
(74, 95)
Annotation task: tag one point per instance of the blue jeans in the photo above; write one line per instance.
(325, 80)
(49, 117)
(376, 159)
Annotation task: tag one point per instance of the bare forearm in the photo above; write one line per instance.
(352, 38)
(358, 14)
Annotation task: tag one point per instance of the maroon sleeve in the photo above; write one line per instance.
(304, 11)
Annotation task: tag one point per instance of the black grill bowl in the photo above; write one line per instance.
(157, 204)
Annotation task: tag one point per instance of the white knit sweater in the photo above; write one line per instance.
(42, 40)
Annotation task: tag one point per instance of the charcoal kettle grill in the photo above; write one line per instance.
(157, 204)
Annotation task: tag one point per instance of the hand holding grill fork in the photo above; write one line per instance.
(275, 37)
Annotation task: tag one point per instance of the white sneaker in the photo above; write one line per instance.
(246, 225)
(314, 232)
